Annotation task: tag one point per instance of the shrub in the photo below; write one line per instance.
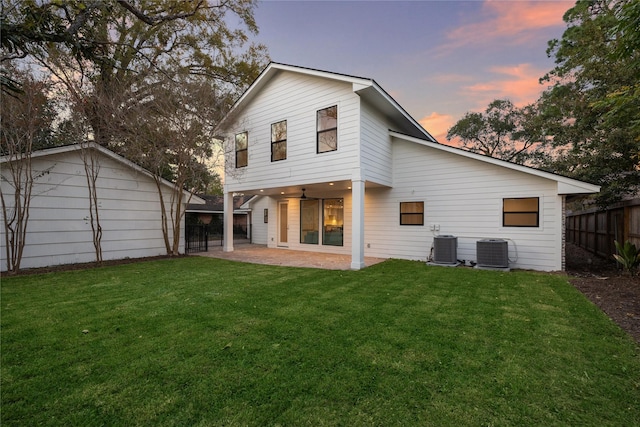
(628, 256)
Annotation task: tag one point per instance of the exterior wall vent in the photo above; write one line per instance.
(492, 253)
(445, 249)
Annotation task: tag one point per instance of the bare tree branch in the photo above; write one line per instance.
(154, 20)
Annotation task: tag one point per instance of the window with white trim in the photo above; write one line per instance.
(242, 149)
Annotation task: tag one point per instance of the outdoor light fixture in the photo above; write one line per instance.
(304, 196)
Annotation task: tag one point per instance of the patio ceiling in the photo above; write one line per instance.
(311, 189)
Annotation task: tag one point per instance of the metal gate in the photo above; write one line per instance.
(196, 238)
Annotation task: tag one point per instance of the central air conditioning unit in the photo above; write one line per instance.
(445, 249)
(492, 253)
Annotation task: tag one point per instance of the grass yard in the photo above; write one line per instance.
(200, 341)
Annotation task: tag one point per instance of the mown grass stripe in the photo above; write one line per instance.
(199, 341)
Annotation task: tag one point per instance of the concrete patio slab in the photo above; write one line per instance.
(261, 254)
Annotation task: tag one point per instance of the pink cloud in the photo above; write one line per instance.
(516, 21)
(437, 125)
(517, 83)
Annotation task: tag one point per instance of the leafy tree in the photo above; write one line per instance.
(90, 29)
(502, 131)
(215, 186)
(110, 50)
(626, 99)
(591, 112)
(118, 60)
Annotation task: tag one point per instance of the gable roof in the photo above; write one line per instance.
(565, 185)
(407, 127)
(108, 153)
(366, 88)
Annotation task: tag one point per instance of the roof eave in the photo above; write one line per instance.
(192, 198)
(360, 86)
(397, 108)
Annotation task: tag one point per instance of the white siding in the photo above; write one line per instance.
(376, 146)
(295, 98)
(464, 197)
(259, 229)
(59, 231)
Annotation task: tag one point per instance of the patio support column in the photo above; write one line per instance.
(357, 220)
(227, 222)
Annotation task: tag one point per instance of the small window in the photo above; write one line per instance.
(327, 129)
(279, 141)
(242, 153)
(411, 213)
(521, 212)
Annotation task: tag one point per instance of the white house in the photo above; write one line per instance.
(342, 168)
(59, 229)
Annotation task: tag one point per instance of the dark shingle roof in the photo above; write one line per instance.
(216, 203)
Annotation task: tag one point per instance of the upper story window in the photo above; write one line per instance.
(242, 152)
(411, 213)
(279, 141)
(327, 126)
(521, 212)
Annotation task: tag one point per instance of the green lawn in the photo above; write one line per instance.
(199, 341)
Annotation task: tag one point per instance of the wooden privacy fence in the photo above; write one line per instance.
(595, 230)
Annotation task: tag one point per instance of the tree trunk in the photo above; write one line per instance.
(16, 218)
(92, 171)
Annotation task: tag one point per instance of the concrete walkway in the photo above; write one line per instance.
(260, 254)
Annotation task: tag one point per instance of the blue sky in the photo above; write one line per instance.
(438, 59)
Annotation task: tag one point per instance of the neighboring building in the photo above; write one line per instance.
(340, 167)
(59, 231)
(211, 213)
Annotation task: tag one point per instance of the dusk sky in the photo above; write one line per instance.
(437, 59)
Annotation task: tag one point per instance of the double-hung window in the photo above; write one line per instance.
(521, 212)
(327, 128)
(279, 141)
(242, 152)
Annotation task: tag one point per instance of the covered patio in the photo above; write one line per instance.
(261, 254)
